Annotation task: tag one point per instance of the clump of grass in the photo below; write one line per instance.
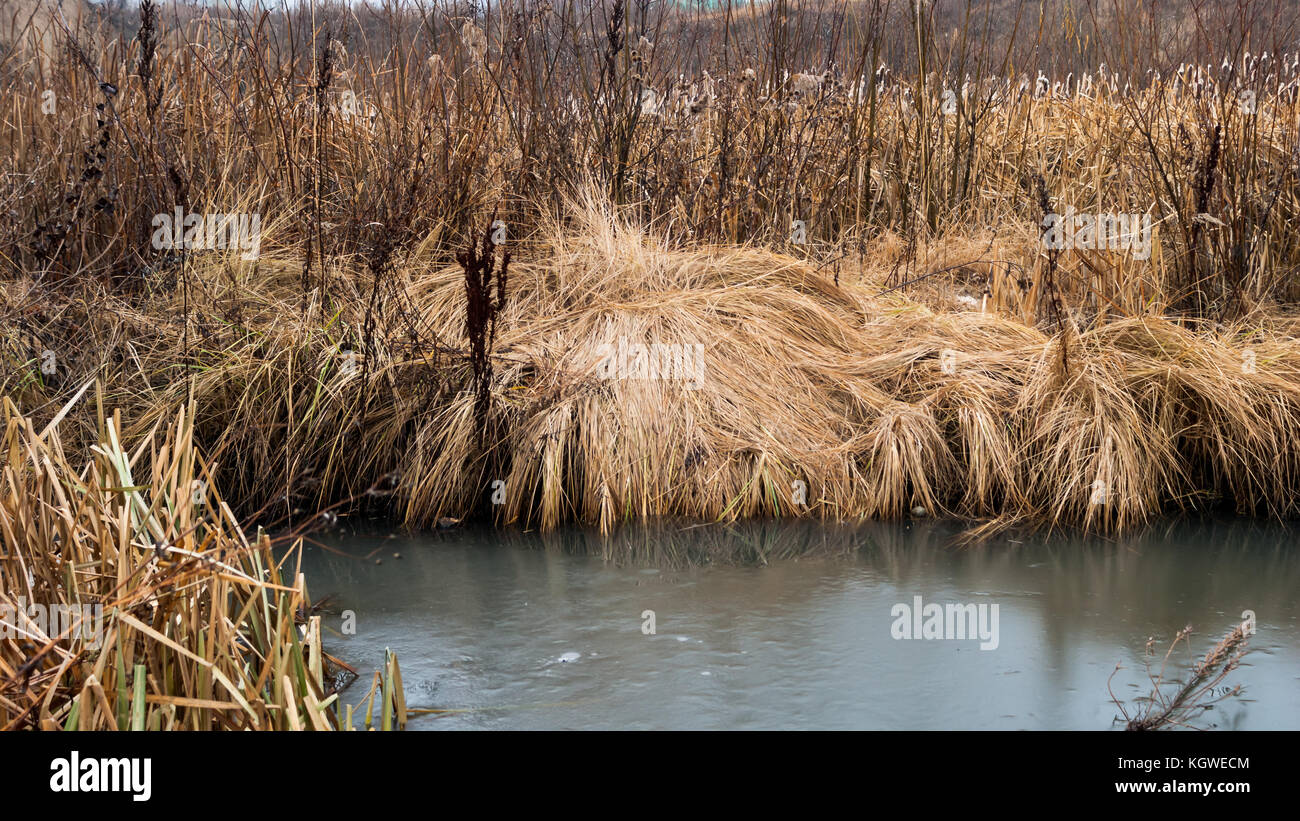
(848, 392)
(196, 625)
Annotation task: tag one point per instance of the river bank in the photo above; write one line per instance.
(625, 379)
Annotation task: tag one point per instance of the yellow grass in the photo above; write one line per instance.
(179, 620)
(876, 403)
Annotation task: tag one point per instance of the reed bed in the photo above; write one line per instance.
(841, 206)
(364, 132)
(133, 600)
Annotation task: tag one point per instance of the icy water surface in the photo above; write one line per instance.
(793, 625)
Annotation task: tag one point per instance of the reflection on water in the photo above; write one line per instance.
(788, 625)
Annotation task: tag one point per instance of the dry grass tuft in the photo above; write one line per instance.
(169, 617)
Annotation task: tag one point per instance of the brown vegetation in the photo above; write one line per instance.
(131, 599)
(920, 349)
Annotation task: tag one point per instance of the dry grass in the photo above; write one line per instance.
(651, 166)
(877, 403)
(419, 126)
(199, 627)
(850, 364)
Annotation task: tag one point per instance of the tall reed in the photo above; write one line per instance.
(132, 599)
